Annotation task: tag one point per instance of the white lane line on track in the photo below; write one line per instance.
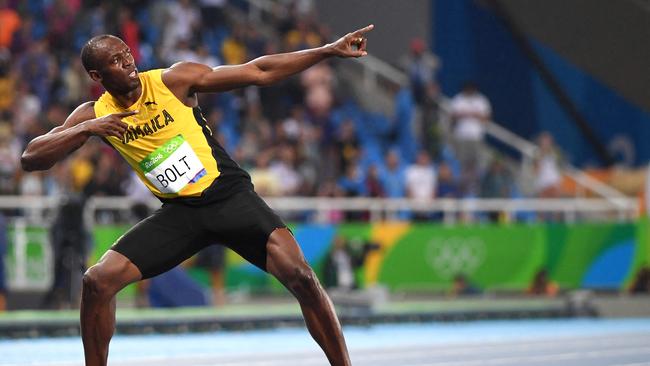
(604, 346)
(418, 354)
(521, 360)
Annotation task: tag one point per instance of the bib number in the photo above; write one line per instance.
(172, 166)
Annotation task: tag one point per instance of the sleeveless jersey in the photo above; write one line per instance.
(171, 148)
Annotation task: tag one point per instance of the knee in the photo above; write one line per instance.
(304, 284)
(97, 284)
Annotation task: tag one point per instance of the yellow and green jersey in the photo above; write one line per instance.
(171, 148)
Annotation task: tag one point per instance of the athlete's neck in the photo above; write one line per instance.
(126, 99)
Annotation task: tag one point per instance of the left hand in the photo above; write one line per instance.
(345, 46)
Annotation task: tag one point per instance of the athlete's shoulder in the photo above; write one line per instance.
(83, 112)
(184, 72)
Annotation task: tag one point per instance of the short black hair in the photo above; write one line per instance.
(89, 51)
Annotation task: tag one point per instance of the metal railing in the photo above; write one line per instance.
(40, 209)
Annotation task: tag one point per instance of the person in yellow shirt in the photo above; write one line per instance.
(153, 120)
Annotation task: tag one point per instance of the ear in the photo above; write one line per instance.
(95, 75)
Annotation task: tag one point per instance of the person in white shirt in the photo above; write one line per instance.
(548, 167)
(421, 181)
(421, 178)
(471, 111)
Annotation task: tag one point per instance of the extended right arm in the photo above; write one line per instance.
(45, 150)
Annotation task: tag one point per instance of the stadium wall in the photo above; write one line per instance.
(423, 256)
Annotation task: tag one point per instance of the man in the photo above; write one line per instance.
(152, 119)
(471, 112)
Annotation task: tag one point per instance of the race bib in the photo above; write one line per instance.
(172, 166)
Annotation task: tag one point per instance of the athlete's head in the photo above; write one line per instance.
(108, 60)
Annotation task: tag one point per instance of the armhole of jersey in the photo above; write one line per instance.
(99, 108)
(105, 140)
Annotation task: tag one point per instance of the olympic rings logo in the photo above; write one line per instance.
(172, 146)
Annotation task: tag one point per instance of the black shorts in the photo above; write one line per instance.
(175, 232)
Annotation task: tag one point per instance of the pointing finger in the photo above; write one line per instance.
(364, 30)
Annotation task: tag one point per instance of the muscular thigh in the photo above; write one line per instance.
(163, 240)
(243, 223)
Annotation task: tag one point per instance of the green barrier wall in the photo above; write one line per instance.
(428, 256)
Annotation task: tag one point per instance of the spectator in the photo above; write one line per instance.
(462, 287)
(9, 160)
(255, 42)
(203, 56)
(31, 184)
(392, 176)
(352, 182)
(182, 52)
(76, 83)
(293, 126)
(308, 167)
(183, 22)
(36, 68)
(641, 282)
(139, 194)
(302, 36)
(330, 189)
(10, 21)
(60, 18)
(213, 13)
(82, 167)
(7, 81)
(374, 186)
(213, 259)
(129, 31)
(318, 83)
(266, 181)
(548, 162)
(421, 66)
(542, 285)
(496, 183)
(233, 48)
(3, 252)
(23, 37)
(347, 146)
(59, 183)
(471, 111)
(344, 260)
(421, 178)
(421, 182)
(446, 186)
(71, 243)
(285, 168)
(248, 149)
(339, 266)
(106, 178)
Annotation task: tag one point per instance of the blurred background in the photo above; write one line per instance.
(488, 159)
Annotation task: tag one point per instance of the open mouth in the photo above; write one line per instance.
(133, 74)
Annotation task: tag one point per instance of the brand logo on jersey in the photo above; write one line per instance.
(160, 121)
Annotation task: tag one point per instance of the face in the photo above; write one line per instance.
(116, 69)
(423, 158)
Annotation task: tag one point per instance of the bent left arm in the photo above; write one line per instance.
(187, 78)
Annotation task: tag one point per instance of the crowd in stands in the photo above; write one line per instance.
(301, 137)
